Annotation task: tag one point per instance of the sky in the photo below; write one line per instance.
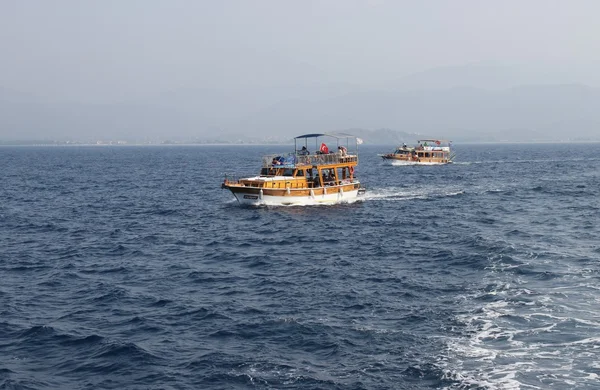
(107, 51)
(135, 46)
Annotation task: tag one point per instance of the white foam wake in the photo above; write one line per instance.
(528, 334)
(400, 194)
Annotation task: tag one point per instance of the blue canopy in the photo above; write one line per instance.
(310, 135)
(336, 135)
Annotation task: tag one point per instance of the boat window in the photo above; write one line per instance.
(288, 172)
(300, 173)
(426, 154)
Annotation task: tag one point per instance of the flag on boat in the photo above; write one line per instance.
(324, 149)
(359, 141)
(437, 142)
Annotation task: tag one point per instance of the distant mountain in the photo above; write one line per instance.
(38, 120)
(542, 112)
(474, 75)
(184, 112)
(469, 103)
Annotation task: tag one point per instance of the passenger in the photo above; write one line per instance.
(343, 151)
(330, 177)
(304, 151)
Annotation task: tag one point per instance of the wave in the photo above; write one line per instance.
(514, 330)
(479, 274)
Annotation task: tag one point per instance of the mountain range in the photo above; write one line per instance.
(461, 103)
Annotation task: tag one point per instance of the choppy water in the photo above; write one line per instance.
(128, 267)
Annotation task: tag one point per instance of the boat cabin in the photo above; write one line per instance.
(304, 171)
(433, 155)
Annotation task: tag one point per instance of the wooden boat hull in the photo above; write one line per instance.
(253, 196)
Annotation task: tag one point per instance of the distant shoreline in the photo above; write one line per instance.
(128, 145)
(28, 144)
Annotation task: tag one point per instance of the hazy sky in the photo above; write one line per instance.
(131, 48)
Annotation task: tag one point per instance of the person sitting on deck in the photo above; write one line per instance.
(304, 151)
(343, 151)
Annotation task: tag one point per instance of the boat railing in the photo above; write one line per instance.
(229, 178)
(331, 158)
(290, 160)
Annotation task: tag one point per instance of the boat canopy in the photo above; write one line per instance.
(339, 141)
(443, 141)
(314, 135)
(334, 135)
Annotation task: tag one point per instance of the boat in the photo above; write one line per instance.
(301, 177)
(426, 152)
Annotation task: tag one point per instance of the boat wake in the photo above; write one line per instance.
(399, 194)
(526, 161)
(514, 337)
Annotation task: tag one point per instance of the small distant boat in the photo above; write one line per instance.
(302, 177)
(426, 152)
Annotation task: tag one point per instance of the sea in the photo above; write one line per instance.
(128, 267)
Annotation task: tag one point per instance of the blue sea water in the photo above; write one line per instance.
(129, 268)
